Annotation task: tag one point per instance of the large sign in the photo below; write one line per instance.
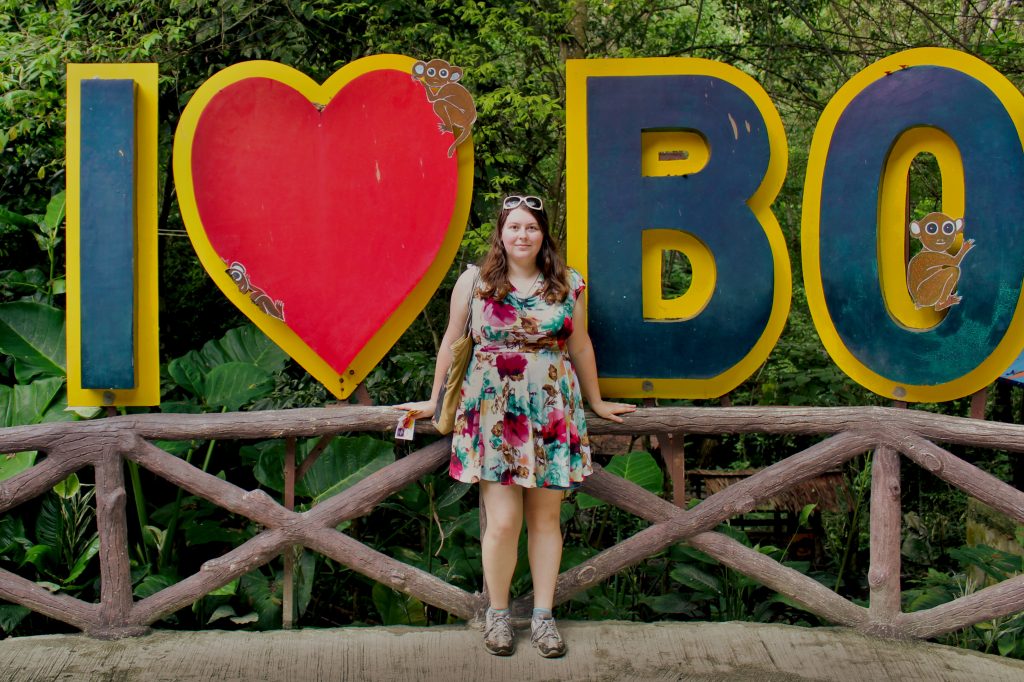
(684, 155)
(330, 212)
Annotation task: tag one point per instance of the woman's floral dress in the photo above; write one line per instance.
(521, 420)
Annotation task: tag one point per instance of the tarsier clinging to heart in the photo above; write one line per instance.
(932, 274)
(453, 103)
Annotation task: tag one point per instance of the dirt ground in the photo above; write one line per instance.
(597, 651)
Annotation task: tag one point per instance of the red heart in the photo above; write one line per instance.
(339, 211)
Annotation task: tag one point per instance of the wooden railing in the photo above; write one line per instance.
(105, 444)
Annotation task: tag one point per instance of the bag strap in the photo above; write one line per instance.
(472, 294)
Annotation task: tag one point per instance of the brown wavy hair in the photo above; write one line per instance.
(494, 267)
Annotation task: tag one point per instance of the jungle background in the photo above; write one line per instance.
(514, 53)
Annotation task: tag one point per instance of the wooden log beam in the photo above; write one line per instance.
(743, 496)
(627, 496)
(361, 498)
(814, 596)
(673, 524)
(253, 504)
(972, 480)
(212, 575)
(37, 479)
(886, 524)
(309, 422)
(393, 573)
(14, 588)
(999, 600)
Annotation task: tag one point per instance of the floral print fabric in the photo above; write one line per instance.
(521, 420)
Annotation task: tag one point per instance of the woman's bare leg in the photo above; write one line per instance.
(544, 534)
(500, 543)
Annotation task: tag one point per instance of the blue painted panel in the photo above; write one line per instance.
(107, 253)
(990, 283)
(710, 204)
(1016, 372)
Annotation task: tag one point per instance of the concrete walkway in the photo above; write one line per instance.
(597, 651)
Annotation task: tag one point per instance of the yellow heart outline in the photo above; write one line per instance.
(340, 384)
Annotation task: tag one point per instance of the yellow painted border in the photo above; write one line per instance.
(340, 384)
(1011, 345)
(703, 271)
(577, 73)
(147, 334)
(893, 219)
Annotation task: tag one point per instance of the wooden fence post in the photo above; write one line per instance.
(288, 587)
(115, 571)
(886, 523)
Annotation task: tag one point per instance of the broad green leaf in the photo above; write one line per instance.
(672, 602)
(1007, 643)
(805, 514)
(36, 555)
(223, 611)
(152, 584)
(16, 219)
(637, 467)
(269, 467)
(225, 590)
(54, 212)
(68, 487)
(249, 344)
(12, 533)
(265, 597)
(85, 412)
(29, 403)
(251, 617)
(83, 560)
(209, 531)
(188, 373)
(454, 493)
(49, 522)
(574, 555)
(305, 575)
(11, 615)
(396, 608)
(33, 333)
(234, 384)
(696, 579)
(13, 464)
(345, 462)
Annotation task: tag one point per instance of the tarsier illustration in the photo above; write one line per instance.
(453, 103)
(259, 297)
(932, 274)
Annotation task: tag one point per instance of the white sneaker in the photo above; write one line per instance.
(545, 636)
(499, 637)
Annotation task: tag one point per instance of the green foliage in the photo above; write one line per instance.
(342, 464)
(636, 467)
(977, 565)
(514, 54)
(33, 334)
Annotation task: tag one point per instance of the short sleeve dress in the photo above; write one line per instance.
(520, 420)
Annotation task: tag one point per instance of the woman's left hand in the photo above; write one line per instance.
(611, 411)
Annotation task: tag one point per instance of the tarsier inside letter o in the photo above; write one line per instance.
(932, 274)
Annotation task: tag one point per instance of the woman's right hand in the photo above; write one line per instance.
(424, 408)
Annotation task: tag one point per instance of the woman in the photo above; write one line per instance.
(520, 428)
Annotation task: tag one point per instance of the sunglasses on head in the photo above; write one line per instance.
(515, 200)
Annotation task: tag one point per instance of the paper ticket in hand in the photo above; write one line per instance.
(406, 427)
